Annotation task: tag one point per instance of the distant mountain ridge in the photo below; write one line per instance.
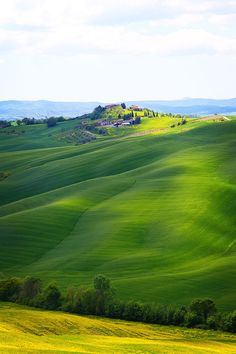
(40, 109)
(14, 109)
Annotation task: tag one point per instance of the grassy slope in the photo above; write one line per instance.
(39, 136)
(147, 125)
(24, 330)
(154, 213)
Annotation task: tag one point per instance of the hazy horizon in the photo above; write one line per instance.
(124, 100)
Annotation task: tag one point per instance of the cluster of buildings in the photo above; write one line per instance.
(126, 123)
(117, 123)
(121, 122)
(135, 108)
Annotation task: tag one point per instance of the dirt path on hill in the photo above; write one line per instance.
(214, 117)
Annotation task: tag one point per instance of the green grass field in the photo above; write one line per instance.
(148, 125)
(26, 330)
(155, 213)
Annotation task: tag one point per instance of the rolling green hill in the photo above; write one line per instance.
(25, 330)
(155, 213)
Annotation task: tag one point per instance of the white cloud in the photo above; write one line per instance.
(68, 27)
(222, 20)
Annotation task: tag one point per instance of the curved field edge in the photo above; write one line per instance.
(153, 213)
(27, 330)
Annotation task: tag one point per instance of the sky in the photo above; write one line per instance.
(109, 50)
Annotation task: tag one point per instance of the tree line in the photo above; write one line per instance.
(51, 121)
(100, 300)
(4, 123)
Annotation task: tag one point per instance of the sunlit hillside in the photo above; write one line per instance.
(25, 330)
(153, 211)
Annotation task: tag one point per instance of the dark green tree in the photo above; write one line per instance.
(4, 124)
(51, 297)
(133, 311)
(211, 322)
(86, 301)
(228, 322)
(203, 308)
(137, 120)
(97, 113)
(103, 290)
(70, 303)
(148, 314)
(51, 122)
(30, 288)
(101, 283)
(10, 289)
(115, 309)
(192, 320)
